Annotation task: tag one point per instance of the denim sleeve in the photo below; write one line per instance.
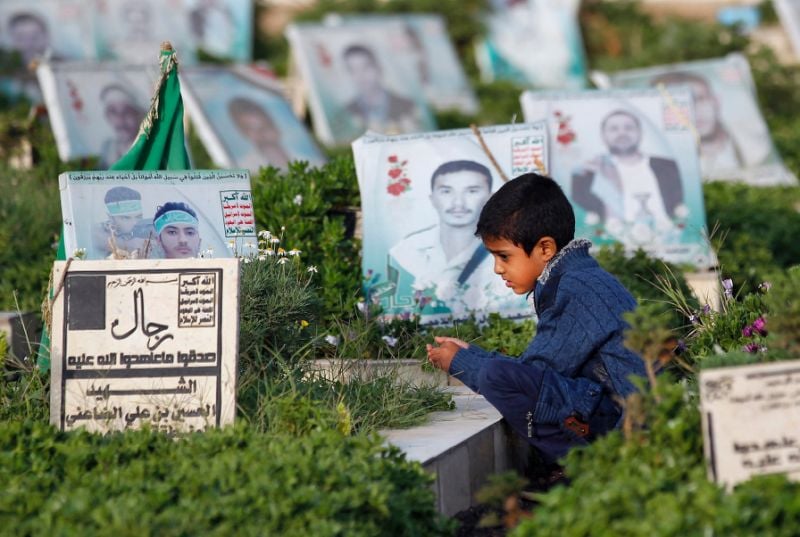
(467, 364)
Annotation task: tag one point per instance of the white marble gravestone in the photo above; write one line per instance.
(145, 343)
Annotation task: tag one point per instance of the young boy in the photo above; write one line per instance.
(565, 388)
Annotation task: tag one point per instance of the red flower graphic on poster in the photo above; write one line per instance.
(398, 178)
(564, 133)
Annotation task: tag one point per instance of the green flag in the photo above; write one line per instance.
(159, 146)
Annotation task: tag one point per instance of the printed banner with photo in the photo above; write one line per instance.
(627, 159)
(421, 196)
(735, 142)
(31, 31)
(145, 343)
(359, 79)
(789, 15)
(533, 42)
(157, 214)
(244, 120)
(95, 108)
(437, 65)
(133, 30)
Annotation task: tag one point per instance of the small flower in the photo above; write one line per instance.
(262, 258)
(389, 340)
(298, 199)
(79, 253)
(693, 319)
(250, 245)
(264, 234)
(294, 253)
(727, 284)
(760, 326)
(332, 340)
(269, 252)
(765, 286)
(312, 268)
(231, 244)
(283, 260)
(361, 305)
(752, 348)
(275, 240)
(680, 348)
(281, 251)
(303, 323)
(747, 331)
(246, 260)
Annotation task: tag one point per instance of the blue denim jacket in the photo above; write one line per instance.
(579, 337)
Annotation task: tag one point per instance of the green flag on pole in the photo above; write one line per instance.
(160, 145)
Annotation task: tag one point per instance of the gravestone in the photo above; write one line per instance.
(144, 343)
(751, 421)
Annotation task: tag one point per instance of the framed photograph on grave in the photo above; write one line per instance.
(627, 160)
(57, 30)
(158, 214)
(789, 14)
(734, 139)
(359, 79)
(438, 68)
(95, 109)
(533, 43)
(145, 343)
(132, 30)
(421, 197)
(244, 120)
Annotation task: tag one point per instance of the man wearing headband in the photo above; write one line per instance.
(177, 229)
(125, 232)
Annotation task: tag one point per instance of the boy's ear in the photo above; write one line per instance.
(547, 247)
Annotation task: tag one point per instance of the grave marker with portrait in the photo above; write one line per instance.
(158, 214)
(421, 196)
(95, 109)
(735, 142)
(145, 343)
(533, 43)
(244, 120)
(627, 160)
(359, 79)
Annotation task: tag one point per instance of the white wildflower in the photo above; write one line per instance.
(298, 199)
(79, 253)
(294, 253)
(269, 252)
(361, 305)
(332, 340)
(275, 240)
(312, 268)
(264, 234)
(389, 340)
(283, 260)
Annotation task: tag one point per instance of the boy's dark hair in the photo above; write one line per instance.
(354, 50)
(173, 206)
(526, 209)
(454, 166)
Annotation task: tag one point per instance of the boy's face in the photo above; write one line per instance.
(180, 241)
(518, 269)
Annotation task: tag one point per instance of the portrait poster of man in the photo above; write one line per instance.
(46, 29)
(132, 30)
(627, 159)
(158, 214)
(359, 79)
(421, 197)
(534, 43)
(244, 120)
(734, 140)
(438, 68)
(95, 108)
(789, 14)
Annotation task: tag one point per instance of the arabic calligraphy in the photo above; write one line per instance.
(150, 330)
(238, 215)
(197, 295)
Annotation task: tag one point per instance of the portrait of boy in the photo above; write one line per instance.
(125, 232)
(564, 390)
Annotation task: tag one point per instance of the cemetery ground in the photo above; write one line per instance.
(304, 457)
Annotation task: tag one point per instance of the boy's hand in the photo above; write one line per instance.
(442, 355)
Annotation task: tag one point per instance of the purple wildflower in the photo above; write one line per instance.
(727, 284)
(681, 347)
(693, 319)
(752, 348)
(747, 331)
(706, 309)
(760, 326)
(765, 286)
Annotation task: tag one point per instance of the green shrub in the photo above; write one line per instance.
(233, 481)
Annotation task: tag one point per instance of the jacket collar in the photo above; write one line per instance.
(576, 251)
